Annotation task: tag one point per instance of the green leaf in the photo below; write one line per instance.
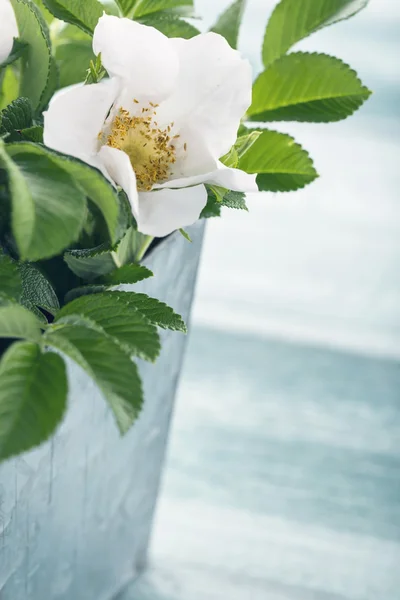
(82, 13)
(213, 207)
(10, 278)
(16, 116)
(185, 235)
(107, 363)
(33, 397)
(245, 141)
(127, 274)
(146, 7)
(37, 291)
(48, 209)
(228, 24)
(119, 318)
(18, 322)
(97, 188)
(90, 263)
(307, 87)
(293, 20)
(155, 311)
(84, 290)
(17, 50)
(32, 134)
(9, 86)
(282, 164)
(73, 58)
(170, 25)
(36, 60)
(235, 200)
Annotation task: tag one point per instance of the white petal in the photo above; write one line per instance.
(213, 90)
(8, 29)
(141, 55)
(162, 212)
(232, 179)
(118, 166)
(75, 117)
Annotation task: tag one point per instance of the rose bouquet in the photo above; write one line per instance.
(120, 124)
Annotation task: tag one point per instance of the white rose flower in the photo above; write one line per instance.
(8, 29)
(159, 125)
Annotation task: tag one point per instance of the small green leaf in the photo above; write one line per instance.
(16, 116)
(145, 7)
(18, 322)
(213, 206)
(17, 50)
(235, 200)
(307, 87)
(119, 318)
(36, 60)
(37, 291)
(32, 134)
(229, 22)
(48, 209)
(185, 235)
(90, 263)
(33, 397)
(170, 25)
(282, 164)
(107, 363)
(82, 13)
(293, 20)
(10, 279)
(127, 274)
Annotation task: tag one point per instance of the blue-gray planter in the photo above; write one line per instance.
(76, 513)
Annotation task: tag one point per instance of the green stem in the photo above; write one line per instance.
(143, 247)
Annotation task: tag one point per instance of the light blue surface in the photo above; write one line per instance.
(283, 479)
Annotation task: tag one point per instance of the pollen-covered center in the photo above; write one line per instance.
(151, 150)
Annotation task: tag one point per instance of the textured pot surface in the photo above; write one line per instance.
(76, 513)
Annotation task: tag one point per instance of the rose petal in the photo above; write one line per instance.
(8, 29)
(118, 166)
(75, 117)
(232, 179)
(212, 93)
(162, 212)
(142, 56)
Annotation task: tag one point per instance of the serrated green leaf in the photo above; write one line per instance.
(90, 263)
(73, 58)
(293, 20)
(48, 209)
(307, 87)
(107, 363)
(17, 50)
(282, 164)
(235, 200)
(36, 60)
(16, 116)
(229, 22)
(119, 318)
(154, 310)
(10, 278)
(127, 274)
(84, 14)
(37, 291)
(146, 7)
(48, 17)
(33, 397)
(18, 322)
(170, 25)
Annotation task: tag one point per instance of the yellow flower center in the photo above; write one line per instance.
(151, 150)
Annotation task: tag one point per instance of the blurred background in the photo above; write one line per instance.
(283, 472)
